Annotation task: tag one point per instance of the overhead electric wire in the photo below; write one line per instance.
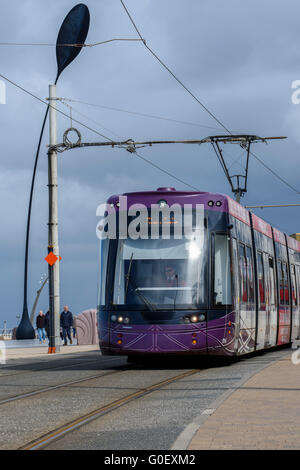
(198, 101)
(266, 206)
(166, 172)
(173, 75)
(62, 100)
(274, 173)
(67, 45)
(145, 159)
(142, 114)
(47, 104)
(93, 130)
(152, 116)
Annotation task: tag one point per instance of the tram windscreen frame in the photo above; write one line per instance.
(162, 273)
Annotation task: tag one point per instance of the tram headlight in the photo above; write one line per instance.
(186, 319)
(201, 317)
(162, 203)
(113, 318)
(194, 318)
(120, 319)
(126, 320)
(218, 203)
(210, 203)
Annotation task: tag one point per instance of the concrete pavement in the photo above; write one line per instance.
(32, 348)
(260, 411)
(264, 413)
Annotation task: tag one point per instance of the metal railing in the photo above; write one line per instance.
(6, 333)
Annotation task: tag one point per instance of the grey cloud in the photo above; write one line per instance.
(239, 58)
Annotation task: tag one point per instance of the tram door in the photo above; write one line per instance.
(271, 303)
(236, 292)
(295, 302)
(263, 303)
(247, 305)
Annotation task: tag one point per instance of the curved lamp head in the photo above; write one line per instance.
(73, 30)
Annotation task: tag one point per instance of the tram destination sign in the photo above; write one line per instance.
(160, 220)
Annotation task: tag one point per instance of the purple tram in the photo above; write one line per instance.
(230, 288)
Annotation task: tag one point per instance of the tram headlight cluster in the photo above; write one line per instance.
(212, 203)
(120, 319)
(195, 318)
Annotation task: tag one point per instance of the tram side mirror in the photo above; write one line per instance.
(230, 226)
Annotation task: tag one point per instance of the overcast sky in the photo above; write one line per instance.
(239, 59)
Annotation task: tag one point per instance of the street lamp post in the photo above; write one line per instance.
(43, 282)
(70, 40)
(53, 247)
(73, 31)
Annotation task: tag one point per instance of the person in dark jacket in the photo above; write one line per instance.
(66, 321)
(41, 324)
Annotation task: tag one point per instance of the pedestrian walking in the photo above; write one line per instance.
(66, 321)
(41, 324)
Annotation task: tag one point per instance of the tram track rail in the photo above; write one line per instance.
(57, 367)
(44, 440)
(58, 386)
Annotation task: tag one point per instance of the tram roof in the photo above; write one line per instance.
(226, 204)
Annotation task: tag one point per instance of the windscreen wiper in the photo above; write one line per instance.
(129, 280)
(128, 276)
(176, 292)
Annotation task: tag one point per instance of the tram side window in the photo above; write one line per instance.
(272, 297)
(294, 284)
(281, 283)
(243, 274)
(250, 275)
(261, 279)
(286, 284)
(222, 281)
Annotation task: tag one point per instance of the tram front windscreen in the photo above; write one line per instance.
(165, 273)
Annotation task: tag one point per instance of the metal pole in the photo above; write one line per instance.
(54, 300)
(38, 293)
(238, 196)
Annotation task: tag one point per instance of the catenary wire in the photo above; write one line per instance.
(62, 100)
(137, 154)
(67, 45)
(173, 75)
(166, 172)
(167, 68)
(198, 101)
(152, 116)
(149, 162)
(274, 173)
(58, 110)
(93, 130)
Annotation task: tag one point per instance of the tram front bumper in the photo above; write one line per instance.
(158, 339)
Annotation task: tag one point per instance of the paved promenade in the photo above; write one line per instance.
(264, 413)
(32, 348)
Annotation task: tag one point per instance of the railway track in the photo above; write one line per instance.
(56, 387)
(45, 369)
(44, 440)
(83, 411)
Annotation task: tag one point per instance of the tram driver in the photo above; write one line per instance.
(172, 278)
